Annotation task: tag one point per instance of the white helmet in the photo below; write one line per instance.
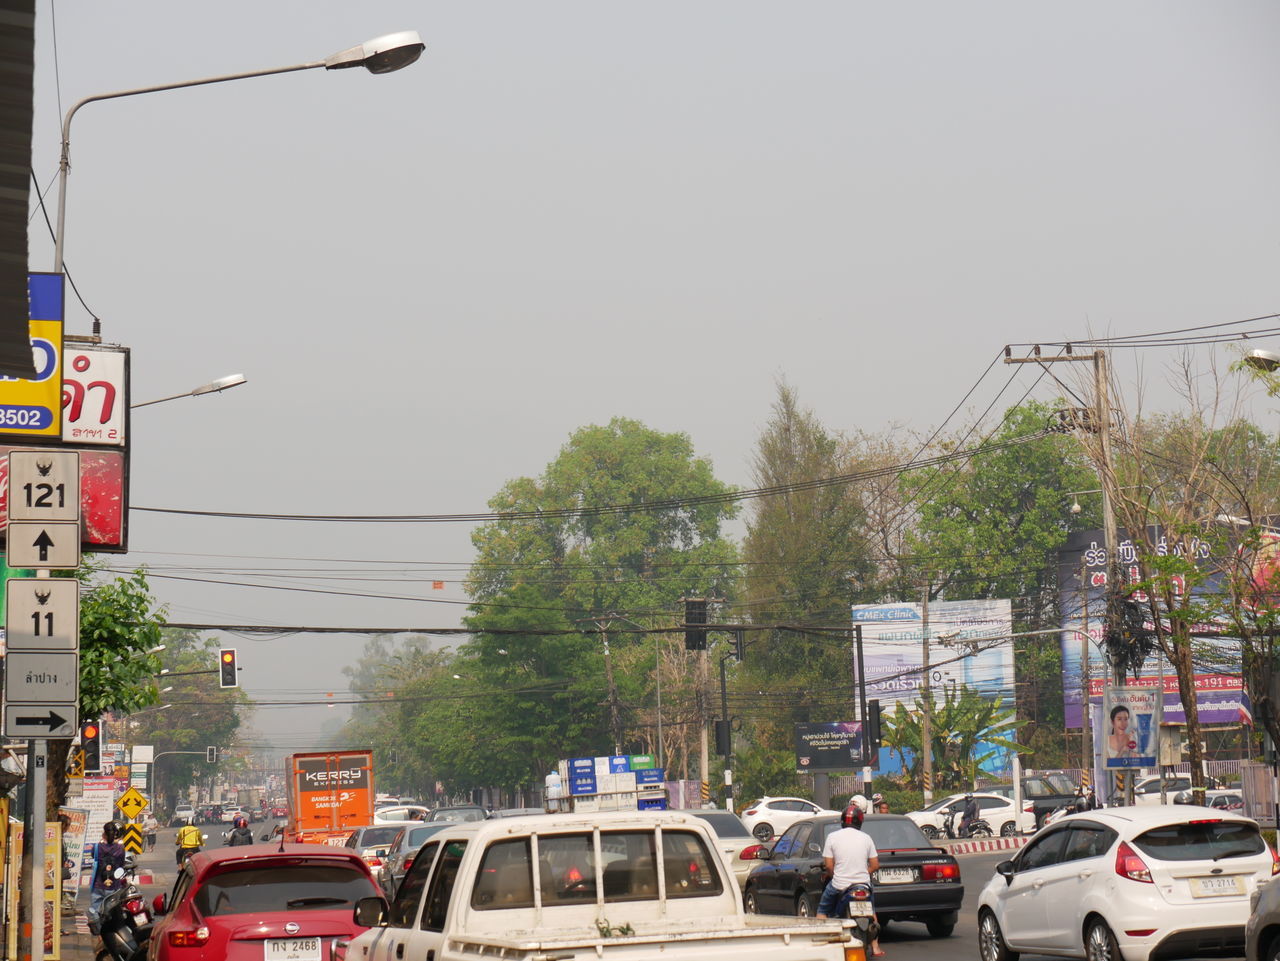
(862, 802)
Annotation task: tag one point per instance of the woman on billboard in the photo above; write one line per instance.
(1121, 742)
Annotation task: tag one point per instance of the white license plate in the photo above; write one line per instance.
(895, 876)
(291, 949)
(860, 909)
(1216, 887)
(141, 919)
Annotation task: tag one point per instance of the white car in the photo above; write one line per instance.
(738, 844)
(1127, 884)
(997, 811)
(403, 812)
(770, 816)
(183, 813)
(1147, 791)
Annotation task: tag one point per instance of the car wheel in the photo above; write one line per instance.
(804, 907)
(1100, 944)
(1008, 829)
(749, 901)
(940, 929)
(931, 832)
(763, 831)
(1273, 951)
(991, 940)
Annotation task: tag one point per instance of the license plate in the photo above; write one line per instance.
(291, 949)
(895, 876)
(141, 919)
(860, 909)
(1217, 887)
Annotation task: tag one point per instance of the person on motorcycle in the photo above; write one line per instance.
(969, 816)
(189, 841)
(848, 857)
(240, 832)
(108, 854)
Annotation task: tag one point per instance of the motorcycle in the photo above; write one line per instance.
(858, 907)
(125, 921)
(978, 828)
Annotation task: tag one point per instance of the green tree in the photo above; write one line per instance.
(120, 625)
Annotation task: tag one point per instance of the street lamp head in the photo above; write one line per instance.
(222, 383)
(385, 54)
(1266, 360)
(1075, 507)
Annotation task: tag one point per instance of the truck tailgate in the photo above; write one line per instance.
(761, 939)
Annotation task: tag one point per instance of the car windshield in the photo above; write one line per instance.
(420, 834)
(457, 814)
(895, 835)
(282, 887)
(939, 805)
(1201, 841)
(725, 824)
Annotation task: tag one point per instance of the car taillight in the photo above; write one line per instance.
(189, 939)
(408, 863)
(338, 950)
(1275, 860)
(1029, 807)
(373, 861)
(1129, 865)
(573, 876)
(749, 853)
(940, 872)
(751, 813)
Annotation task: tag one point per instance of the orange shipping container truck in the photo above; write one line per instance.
(330, 795)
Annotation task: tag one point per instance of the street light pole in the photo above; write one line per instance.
(213, 387)
(381, 55)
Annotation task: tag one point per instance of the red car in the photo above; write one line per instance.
(258, 902)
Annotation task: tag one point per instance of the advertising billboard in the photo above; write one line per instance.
(33, 407)
(1132, 719)
(968, 646)
(829, 747)
(1082, 581)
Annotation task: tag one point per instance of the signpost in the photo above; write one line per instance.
(42, 657)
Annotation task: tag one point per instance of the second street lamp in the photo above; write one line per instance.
(213, 387)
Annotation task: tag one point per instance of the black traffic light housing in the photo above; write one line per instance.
(724, 743)
(227, 668)
(695, 612)
(211, 754)
(873, 727)
(91, 744)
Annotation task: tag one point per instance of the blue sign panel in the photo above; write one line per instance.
(582, 784)
(619, 764)
(582, 765)
(653, 775)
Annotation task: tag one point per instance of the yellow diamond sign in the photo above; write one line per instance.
(132, 803)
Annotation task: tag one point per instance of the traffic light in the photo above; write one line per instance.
(91, 744)
(739, 644)
(873, 725)
(227, 668)
(724, 746)
(695, 612)
(211, 754)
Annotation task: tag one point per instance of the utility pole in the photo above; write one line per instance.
(1100, 417)
(615, 722)
(1086, 717)
(926, 696)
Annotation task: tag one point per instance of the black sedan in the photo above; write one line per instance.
(916, 881)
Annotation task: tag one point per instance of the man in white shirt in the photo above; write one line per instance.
(850, 857)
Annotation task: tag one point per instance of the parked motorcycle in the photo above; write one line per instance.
(977, 829)
(124, 922)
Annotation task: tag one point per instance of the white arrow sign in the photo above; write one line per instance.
(31, 721)
(51, 545)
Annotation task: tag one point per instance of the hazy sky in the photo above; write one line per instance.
(569, 211)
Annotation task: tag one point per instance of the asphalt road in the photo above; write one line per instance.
(911, 942)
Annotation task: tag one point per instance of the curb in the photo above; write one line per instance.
(984, 845)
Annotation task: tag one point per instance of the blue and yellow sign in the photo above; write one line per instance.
(34, 407)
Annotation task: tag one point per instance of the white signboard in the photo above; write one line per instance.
(44, 485)
(42, 677)
(42, 614)
(95, 395)
(50, 545)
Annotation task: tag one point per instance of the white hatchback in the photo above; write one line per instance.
(995, 809)
(1128, 884)
(770, 816)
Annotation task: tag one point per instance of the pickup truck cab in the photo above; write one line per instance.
(630, 886)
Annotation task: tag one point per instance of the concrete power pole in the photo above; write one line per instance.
(926, 697)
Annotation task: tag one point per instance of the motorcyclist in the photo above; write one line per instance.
(241, 833)
(969, 815)
(190, 840)
(849, 857)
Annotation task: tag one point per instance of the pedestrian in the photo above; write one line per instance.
(849, 857)
(149, 828)
(240, 832)
(108, 855)
(189, 841)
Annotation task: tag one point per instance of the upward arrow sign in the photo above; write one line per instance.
(43, 542)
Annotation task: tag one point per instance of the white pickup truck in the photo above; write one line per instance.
(633, 886)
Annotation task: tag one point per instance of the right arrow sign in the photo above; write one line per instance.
(32, 721)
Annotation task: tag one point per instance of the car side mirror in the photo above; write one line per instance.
(1006, 870)
(158, 905)
(370, 912)
(763, 853)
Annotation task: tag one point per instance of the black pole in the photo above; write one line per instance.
(862, 694)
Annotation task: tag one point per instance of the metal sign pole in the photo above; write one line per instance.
(34, 839)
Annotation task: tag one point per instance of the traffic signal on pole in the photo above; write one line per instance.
(211, 754)
(91, 744)
(724, 746)
(695, 612)
(873, 725)
(227, 668)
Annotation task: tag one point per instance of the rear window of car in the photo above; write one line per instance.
(373, 837)
(895, 835)
(283, 887)
(1201, 841)
(417, 836)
